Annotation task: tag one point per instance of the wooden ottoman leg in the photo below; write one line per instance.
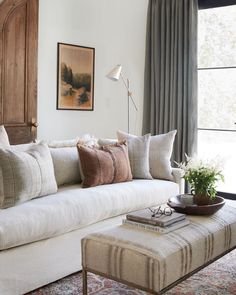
(85, 282)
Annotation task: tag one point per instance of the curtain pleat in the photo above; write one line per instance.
(170, 98)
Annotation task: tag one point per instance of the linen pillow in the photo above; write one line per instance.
(4, 140)
(161, 147)
(66, 165)
(86, 139)
(25, 175)
(106, 141)
(62, 143)
(103, 166)
(89, 140)
(138, 147)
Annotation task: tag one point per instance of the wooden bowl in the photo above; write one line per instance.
(184, 204)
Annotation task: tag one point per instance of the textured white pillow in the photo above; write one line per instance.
(4, 140)
(25, 175)
(106, 141)
(138, 147)
(66, 165)
(161, 147)
(87, 139)
(62, 143)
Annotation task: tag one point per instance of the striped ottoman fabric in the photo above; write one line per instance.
(152, 261)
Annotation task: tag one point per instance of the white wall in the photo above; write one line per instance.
(116, 29)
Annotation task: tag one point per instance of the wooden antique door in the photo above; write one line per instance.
(18, 68)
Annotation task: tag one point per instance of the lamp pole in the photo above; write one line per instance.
(114, 75)
(129, 95)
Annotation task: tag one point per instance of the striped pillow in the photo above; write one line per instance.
(138, 147)
(25, 175)
(160, 152)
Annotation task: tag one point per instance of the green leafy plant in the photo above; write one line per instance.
(202, 176)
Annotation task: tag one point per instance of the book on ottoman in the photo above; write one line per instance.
(156, 228)
(146, 216)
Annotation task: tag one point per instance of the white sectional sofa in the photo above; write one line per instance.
(40, 239)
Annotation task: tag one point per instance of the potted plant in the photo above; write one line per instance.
(202, 177)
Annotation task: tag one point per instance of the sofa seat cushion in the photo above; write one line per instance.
(72, 208)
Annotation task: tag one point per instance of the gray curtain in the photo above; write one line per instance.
(170, 98)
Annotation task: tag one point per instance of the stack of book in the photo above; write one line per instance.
(143, 219)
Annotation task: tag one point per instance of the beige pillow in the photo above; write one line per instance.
(62, 143)
(161, 147)
(106, 141)
(66, 165)
(86, 139)
(25, 175)
(4, 140)
(103, 166)
(138, 147)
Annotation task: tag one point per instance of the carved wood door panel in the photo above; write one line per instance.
(18, 68)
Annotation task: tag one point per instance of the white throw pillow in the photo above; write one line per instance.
(106, 141)
(66, 165)
(62, 143)
(4, 140)
(25, 175)
(161, 147)
(87, 139)
(138, 147)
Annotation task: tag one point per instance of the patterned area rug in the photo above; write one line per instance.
(219, 278)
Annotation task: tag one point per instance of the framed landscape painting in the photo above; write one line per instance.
(75, 77)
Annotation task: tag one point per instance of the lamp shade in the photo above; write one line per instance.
(114, 74)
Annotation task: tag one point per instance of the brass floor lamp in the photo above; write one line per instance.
(115, 74)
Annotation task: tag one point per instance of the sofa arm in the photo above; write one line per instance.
(178, 178)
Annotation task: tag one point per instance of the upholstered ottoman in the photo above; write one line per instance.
(155, 262)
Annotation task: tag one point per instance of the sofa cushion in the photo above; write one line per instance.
(25, 175)
(161, 147)
(4, 140)
(66, 165)
(72, 208)
(138, 147)
(107, 165)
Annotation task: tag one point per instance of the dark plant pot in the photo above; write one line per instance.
(201, 199)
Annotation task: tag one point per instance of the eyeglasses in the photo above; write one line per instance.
(157, 212)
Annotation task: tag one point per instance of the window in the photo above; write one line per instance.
(217, 89)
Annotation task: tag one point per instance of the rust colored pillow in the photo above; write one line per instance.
(110, 164)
